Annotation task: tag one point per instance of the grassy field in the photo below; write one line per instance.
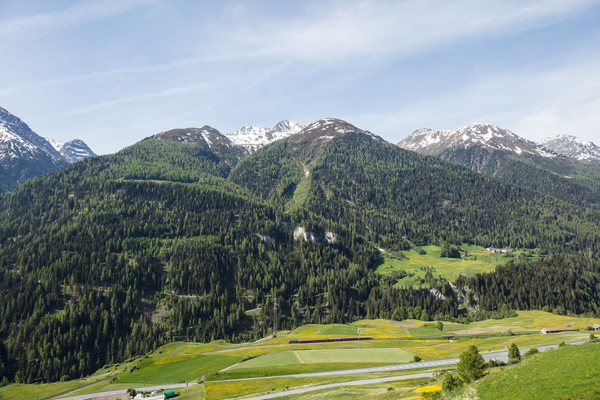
(568, 371)
(178, 362)
(414, 269)
(228, 390)
(340, 356)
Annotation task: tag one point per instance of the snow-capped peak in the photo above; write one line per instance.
(573, 147)
(72, 150)
(429, 141)
(254, 137)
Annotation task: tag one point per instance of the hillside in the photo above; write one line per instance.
(564, 373)
(388, 194)
(179, 236)
(500, 153)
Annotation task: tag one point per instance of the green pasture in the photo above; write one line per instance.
(231, 389)
(341, 356)
(151, 371)
(567, 372)
(413, 269)
(178, 362)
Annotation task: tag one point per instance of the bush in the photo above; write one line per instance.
(417, 359)
(531, 352)
(562, 344)
(451, 382)
(495, 363)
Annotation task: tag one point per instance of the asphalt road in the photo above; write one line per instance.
(139, 389)
(334, 385)
(497, 355)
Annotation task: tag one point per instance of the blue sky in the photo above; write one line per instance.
(112, 72)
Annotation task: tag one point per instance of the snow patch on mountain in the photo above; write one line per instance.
(573, 147)
(254, 137)
(433, 142)
(329, 128)
(72, 150)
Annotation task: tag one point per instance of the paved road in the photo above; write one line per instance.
(334, 385)
(498, 355)
(139, 389)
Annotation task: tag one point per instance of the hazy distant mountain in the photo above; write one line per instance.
(573, 147)
(72, 150)
(253, 137)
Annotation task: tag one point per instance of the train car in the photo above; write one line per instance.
(345, 339)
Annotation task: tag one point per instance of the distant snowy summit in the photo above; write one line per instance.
(434, 142)
(253, 137)
(72, 150)
(24, 154)
(492, 137)
(573, 147)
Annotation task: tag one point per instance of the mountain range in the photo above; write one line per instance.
(24, 154)
(188, 234)
(553, 166)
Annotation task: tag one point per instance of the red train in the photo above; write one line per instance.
(345, 339)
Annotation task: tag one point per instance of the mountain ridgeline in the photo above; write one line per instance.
(24, 154)
(553, 167)
(185, 235)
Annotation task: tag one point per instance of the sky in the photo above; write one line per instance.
(112, 72)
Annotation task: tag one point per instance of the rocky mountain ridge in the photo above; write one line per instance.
(24, 154)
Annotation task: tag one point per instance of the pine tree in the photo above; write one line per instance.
(471, 365)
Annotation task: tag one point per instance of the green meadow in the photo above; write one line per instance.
(414, 269)
(398, 342)
(324, 356)
(568, 372)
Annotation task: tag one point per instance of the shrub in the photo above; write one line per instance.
(495, 363)
(451, 382)
(531, 352)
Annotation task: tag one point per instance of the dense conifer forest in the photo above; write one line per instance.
(115, 255)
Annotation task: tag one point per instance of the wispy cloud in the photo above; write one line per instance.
(534, 105)
(142, 97)
(367, 29)
(78, 14)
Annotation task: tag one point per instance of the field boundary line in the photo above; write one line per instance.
(298, 357)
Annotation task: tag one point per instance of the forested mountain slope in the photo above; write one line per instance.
(500, 153)
(175, 237)
(385, 194)
(115, 255)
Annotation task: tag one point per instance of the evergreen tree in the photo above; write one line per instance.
(471, 365)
